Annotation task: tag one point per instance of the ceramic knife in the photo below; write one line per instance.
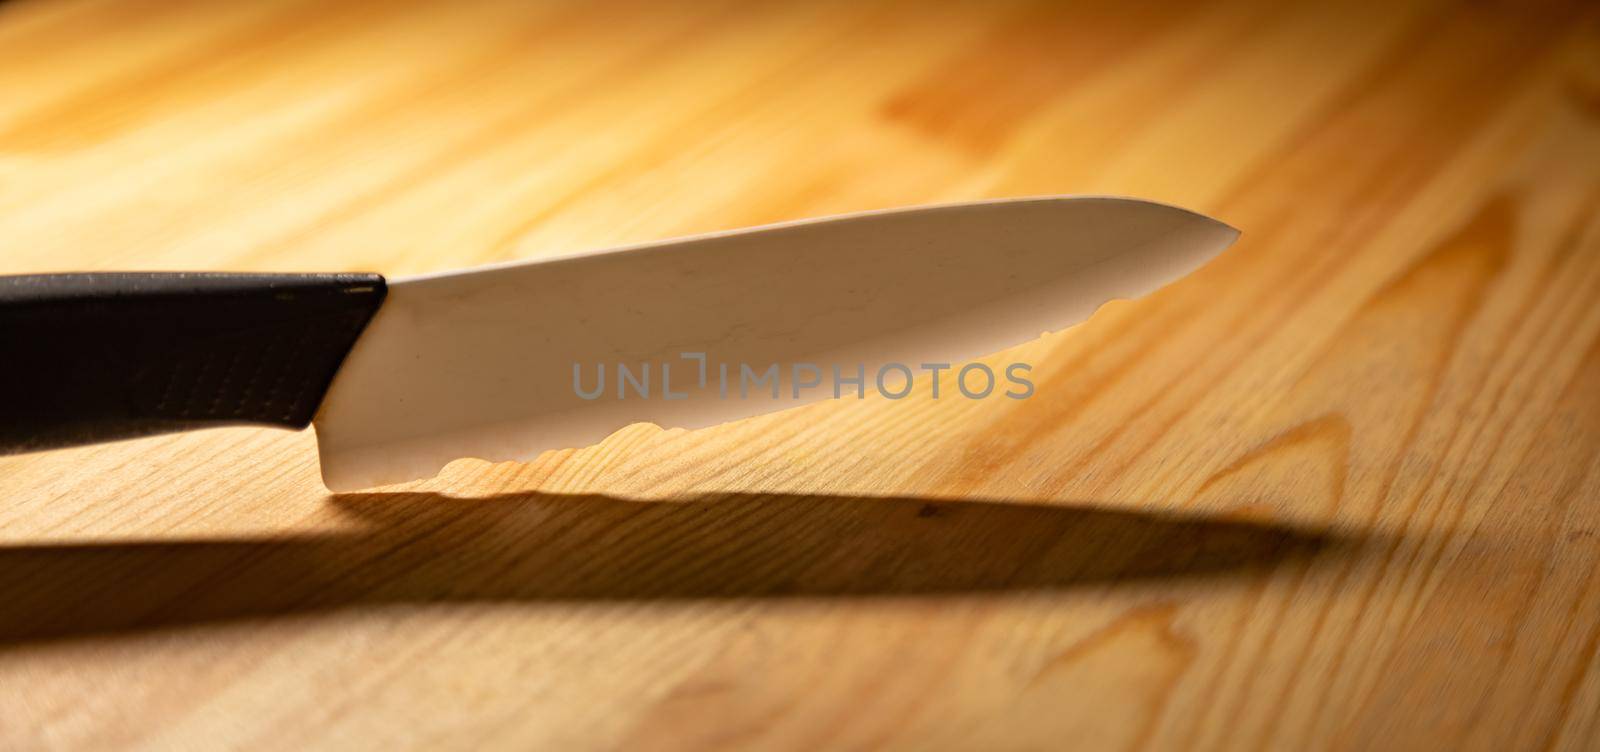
(503, 362)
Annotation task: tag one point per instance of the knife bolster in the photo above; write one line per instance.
(94, 357)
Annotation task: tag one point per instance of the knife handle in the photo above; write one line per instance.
(93, 357)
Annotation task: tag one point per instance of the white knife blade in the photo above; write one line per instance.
(502, 362)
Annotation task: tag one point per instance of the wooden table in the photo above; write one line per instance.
(1340, 489)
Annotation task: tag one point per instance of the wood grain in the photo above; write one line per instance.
(1338, 490)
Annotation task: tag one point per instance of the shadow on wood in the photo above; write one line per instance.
(424, 548)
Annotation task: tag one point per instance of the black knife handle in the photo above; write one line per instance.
(100, 356)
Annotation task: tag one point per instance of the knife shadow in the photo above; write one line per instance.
(414, 548)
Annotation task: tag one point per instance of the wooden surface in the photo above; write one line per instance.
(1340, 489)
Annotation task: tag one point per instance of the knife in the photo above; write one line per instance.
(505, 361)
